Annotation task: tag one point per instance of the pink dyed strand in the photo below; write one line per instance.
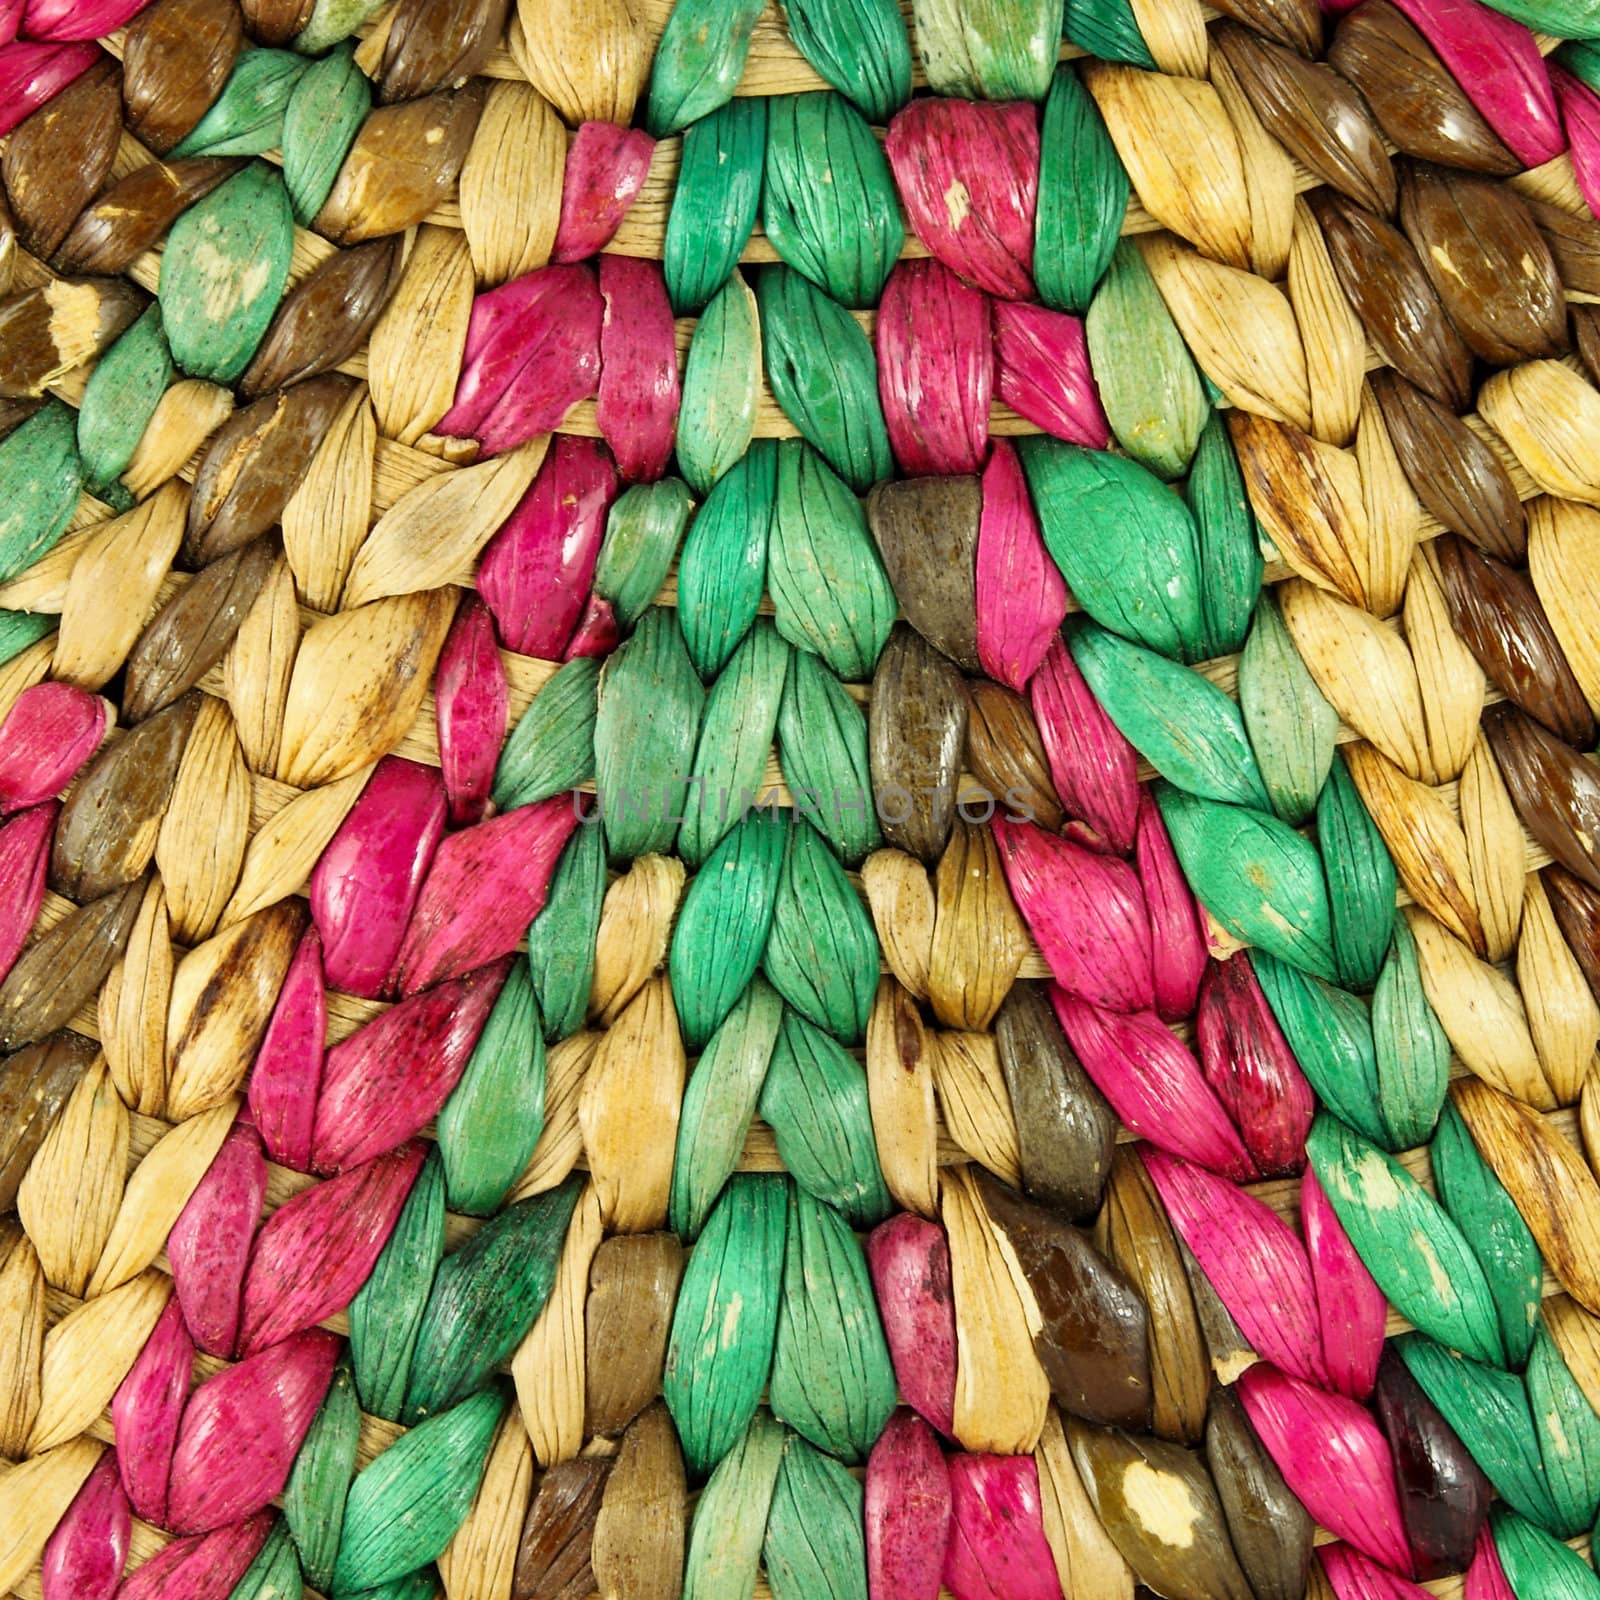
(1500, 69)
(907, 1511)
(1022, 598)
(86, 1554)
(24, 862)
(1253, 1260)
(146, 1411)
(313, 1253)
(382, 1084)
(1249, 1064)
(1086, 912)
(987, 153)
(997, 1548)
(1177, 938)
(1153, 1084)
(49, 732)
(33, 74)
(537, 570)
(1043, 373)
(1350, 1306)
(486, 884)
(1333, 1455)
(365, 885)
(606, 169)
(1095, 769)
(909, 1259)
(532, 353)
(205, 1567)
(637, 407)
(472, 703)
(242, 1429)
(287, 1077)
(209, 1245)
(935, 369)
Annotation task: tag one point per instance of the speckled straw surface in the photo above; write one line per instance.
(799, 800)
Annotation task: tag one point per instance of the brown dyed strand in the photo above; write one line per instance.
(1454, 473)
(1388, 289)
(254, 463)
(176, 57)
(926, 530)
(917, 731)
(1487, 260)
(1418, 104)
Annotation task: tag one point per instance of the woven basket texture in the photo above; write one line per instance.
(799, 799)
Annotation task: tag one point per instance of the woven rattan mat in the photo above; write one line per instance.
(799, 799)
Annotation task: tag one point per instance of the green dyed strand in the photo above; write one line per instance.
(822, 748)
(718, 1104)
(1413, 1052)
(320, 123)
(1083, 196)
(988, 49)
(313, 1498)
(1148, 383)
(386, 1313)
(824, 375)
(832, 1380)
(485, 1298)
(246, 119)
(699, 60)
(41, 478)
(423, 1584)
(1568, 1432)
(643, 531)
(274, 1574)
(721, 384)
(19, 629)
(1565, 19)
(331, 21)
(815, 1100)
(1330, 1034)
(829, 205)
(646, 727)
(488, 1127)
(720, 1349)
(815, 1547)
(1581, 57)
(1537, 1565)
(1108, 29)
(223, 272)
(1416, 1254)
(1180, 722)
(1489, 1409)
(1124, 542)
(408, 1504)
(1255, 875)
(830, 593)
(119, 400)
(1361, 880)
(736, 730)
(730, 1518)
(1492, 1225)
(860, 47)
(722, 573)
(1230, 543)
(822, 955)
(1292, 727)
(551, 749)
(714, 202)
(722, 926)
(561, 939)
